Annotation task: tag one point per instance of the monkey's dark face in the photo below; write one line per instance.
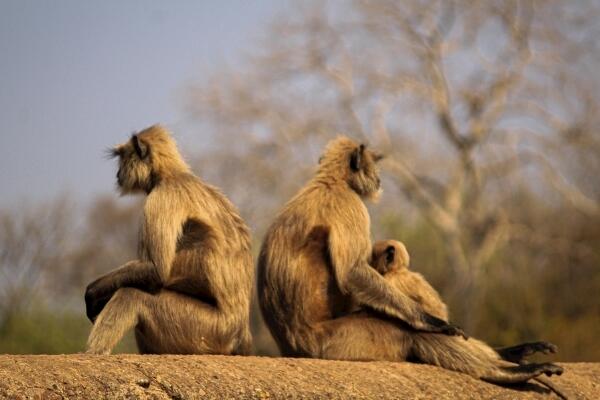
(389, 255)
(364, 174)
(135, 170)
(354, 163)
(384, 260)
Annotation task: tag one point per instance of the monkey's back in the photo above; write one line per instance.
(296, 285)
(213, 260)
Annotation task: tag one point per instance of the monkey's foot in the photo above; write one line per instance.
(552, 369)
(548, 369)
(97, 352)
(517, 353)
(522, 373)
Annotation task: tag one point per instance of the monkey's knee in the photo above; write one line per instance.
(121, 313)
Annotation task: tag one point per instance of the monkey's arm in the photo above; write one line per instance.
(369, 288)
(163, 223)
(355, 276)
(138, 274)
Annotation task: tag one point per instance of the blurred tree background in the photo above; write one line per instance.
(487, 112)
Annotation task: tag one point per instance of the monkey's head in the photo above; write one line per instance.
(144, 160)
(354, 163)
(389, 255)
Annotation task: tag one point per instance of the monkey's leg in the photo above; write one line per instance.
(121, 313)
(138, 274)
(460, 355)
(361, 336)
(516, 353)
(173, 323)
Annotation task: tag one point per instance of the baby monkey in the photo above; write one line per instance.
(391, 259)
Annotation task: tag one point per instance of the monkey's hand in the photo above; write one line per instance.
(140, 275)
(437, 325)
(95, 301)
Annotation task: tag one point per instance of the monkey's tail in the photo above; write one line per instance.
(552, 387)
(475, 358)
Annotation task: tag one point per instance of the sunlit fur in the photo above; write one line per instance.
(313, 267)
(190, 289)
(314, 258)
(413, 284)
(473, 356)
(163, 161)
(335, 166)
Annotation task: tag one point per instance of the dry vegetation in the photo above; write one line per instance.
(487, 112)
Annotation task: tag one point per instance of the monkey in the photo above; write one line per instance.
(391, 259)
(189, 291)
(313, 266)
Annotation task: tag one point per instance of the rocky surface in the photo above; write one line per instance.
(222, 377)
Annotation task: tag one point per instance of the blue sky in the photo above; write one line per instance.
(79, 76)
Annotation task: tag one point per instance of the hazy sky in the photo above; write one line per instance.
(79, 76)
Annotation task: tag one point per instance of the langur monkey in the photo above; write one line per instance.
(314, 265)
(391, 259)
(189, 291)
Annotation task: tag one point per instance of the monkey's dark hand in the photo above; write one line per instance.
(440, 326)
(95, 300)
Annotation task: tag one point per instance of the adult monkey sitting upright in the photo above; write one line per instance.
(313, 266)
(189, 291)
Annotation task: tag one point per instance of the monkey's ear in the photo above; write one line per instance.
(141, 148)
(390, 253)
(356, 158)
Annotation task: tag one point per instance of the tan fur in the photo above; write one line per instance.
(391, 259)
(314, 256)
(411, 283)
(313, 266)
(189, 290)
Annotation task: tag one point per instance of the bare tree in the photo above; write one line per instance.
(106, 239)
(33, 242)
(472, 100)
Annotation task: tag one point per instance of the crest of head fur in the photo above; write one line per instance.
(148, 157)
(346, 160)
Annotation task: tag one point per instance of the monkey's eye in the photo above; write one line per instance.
(390, 253)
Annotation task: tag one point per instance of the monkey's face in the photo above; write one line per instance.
(354, 163)
(135, 170)
(364, 173)
(389, 255)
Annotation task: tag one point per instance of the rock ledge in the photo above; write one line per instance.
(220, 377)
